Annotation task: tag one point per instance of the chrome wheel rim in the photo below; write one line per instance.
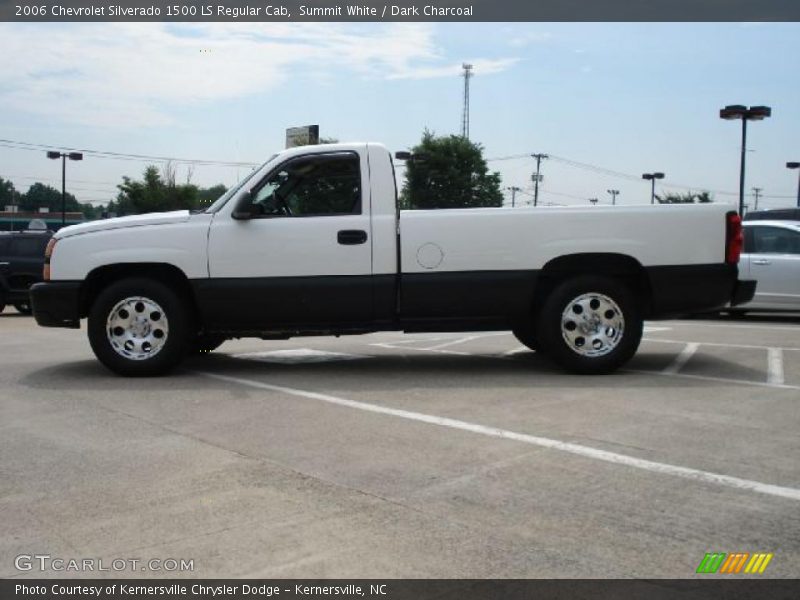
(137, 328)
(592, 325)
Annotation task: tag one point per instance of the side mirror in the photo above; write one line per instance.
(245, 210)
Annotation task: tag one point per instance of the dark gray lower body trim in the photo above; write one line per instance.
(450, 301)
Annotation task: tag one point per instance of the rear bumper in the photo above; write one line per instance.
(687, 289)
(743, 292)
(57, 304)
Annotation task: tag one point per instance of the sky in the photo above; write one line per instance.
(606, 101)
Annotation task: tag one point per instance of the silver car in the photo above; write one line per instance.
(771, 257)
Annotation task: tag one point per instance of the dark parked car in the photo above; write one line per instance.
(773, 214)
(21, 263)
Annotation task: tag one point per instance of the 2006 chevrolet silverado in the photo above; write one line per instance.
(313, 243)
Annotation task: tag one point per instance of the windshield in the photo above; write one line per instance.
(220, 202)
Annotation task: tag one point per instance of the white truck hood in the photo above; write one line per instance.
(177, 216)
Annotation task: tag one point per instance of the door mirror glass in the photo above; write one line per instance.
(246, 209)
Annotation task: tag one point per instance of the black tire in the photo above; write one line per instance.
(205, 343)
(24, 307)
(2, 306)
(154, 294)
(614, 329)
(525, 336)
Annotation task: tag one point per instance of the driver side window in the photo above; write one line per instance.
(314, 185)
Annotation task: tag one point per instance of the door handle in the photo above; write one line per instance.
(762, 261)
(351, 237)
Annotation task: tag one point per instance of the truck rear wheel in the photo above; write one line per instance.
(590, 325)
(138, 327)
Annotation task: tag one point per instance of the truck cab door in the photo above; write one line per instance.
(296, 251)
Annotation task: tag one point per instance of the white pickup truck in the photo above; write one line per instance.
(313, 243)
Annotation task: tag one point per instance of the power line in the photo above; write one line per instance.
(17, 145)
(34, 147)
(628, 176)
(44, 177)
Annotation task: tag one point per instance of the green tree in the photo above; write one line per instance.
(8, 195)
(152, 194)
(206, 196)
(40, 195)
(450, 172)
(685, 198)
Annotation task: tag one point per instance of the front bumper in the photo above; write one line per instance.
(57, 303)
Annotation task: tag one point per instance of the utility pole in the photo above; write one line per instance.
(537, 177)
(757, 193)
(514, 189)
(613, 196)
(465, 114)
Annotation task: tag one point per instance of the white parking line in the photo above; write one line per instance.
(717, 344)
(296, 356)
(728, 325)
(517, 350)
(775, 366)
(553, 444)
(682, 358)
(780, 386)
(393, 347)
(454, 342)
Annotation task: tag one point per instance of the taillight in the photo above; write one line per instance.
(48, 253)
(734, 238)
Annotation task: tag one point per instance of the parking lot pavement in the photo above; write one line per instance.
(390, 455)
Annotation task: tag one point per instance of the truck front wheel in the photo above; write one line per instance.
(525, 336)
(590, 325)
(138, 327)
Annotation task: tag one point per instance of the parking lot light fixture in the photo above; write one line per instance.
(64, 156)
(754, 113)
(652, 177)
(796, 165)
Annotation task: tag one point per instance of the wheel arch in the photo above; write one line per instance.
(168, 274)
(618, 266)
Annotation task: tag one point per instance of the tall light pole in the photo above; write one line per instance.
(537, 177)
(64, 156)
(652, 177)
(613, 196)
(754, 113)
(796, 165)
